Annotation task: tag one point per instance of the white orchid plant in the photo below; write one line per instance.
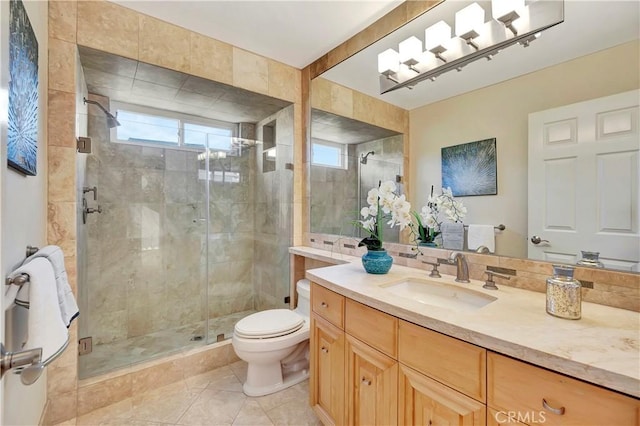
(385, 206)
(438, 209)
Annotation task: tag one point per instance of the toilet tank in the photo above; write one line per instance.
(303, 288)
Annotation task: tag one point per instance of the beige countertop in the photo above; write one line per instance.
(602, 347)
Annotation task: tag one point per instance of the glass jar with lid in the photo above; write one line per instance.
(590, 258)
(564, 298)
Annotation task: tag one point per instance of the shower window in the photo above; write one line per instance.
(329, 154)
(148, 126)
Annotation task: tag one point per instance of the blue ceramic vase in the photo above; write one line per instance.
(377, 261)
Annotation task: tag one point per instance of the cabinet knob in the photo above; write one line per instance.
(366, 382)
(324, 305)
(558, 411)
(325, 350)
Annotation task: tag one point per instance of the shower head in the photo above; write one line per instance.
(112, 121)
(363, 157)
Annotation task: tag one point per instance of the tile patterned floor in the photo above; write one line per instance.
(210, 399)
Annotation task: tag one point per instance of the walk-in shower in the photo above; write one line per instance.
(196, 214)
(339, 190)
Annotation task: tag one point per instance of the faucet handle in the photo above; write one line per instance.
(434, 272)
(490, 284)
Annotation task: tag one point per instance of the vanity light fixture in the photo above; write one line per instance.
(512, 22)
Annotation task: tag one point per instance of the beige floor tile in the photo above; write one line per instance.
(221, 378)
(118, 412)
(213, 407)
(292, 394)
(164, 405)
(239, 368)
(296, 413)
(252, 414)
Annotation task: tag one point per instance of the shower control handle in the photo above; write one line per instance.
(94, 190)
(93, 210)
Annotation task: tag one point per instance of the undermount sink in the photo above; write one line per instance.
(439, 294)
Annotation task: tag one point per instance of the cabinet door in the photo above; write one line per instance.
(327, 384)
(424, 401)
(372, 382)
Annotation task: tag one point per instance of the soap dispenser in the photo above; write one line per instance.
(564, 299)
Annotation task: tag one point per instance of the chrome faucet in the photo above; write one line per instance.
(462, 269)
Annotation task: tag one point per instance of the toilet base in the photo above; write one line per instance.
(288, 380)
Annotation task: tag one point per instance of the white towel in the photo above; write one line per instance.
(481, 235)
(452, 235)
(45, 328)
(68, 305)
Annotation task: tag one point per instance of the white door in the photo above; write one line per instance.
(583, 181)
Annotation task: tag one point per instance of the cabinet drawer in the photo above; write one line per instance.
(328, 305)
(453, 362)
(373, 327)
(515, 386)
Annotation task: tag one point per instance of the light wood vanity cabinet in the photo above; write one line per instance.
(371, 368)
(327, 356)
(537, 395)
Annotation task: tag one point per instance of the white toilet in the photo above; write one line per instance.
(275, 345)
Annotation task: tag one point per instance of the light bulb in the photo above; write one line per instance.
(410, 51)
(436, 36)
(388, 62)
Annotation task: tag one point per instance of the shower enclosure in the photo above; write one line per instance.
(189, 203)
(339, 188)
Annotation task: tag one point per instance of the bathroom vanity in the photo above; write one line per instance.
(403, 348)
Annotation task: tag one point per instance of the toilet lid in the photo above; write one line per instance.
(270, 323)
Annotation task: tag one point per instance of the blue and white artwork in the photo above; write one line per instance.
(470, 168)
(22, 137)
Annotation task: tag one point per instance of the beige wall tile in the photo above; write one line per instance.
(61, 407)
(284, 81)
(211, 59)
(62, 69)
(342, 100)
(62, 174)
(156, 376)
(61, 379)
(109, 27)
(61, 224)
(164, 44)
(104, 393)
(321, 94)
(61, 125)
(62, 20)
(250, 71)
(204, 361)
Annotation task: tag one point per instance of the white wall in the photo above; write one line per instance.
(23, 208)
(501, 111)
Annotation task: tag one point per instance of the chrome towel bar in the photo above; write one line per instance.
(18, 280)
(500, 227)
(22, 279)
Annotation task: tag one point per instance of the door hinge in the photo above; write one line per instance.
(85, 345)
(84, 145)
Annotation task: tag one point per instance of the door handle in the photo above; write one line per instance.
(537, 240)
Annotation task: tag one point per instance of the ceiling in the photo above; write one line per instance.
(339, 129)
(127, 80)
(295, 32)
(589, 26)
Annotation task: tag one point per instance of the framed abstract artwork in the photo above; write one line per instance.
(22, 134)
(470, 168)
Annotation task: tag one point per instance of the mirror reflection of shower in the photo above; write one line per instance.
(363, 157)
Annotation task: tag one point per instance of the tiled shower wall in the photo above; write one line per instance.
(385, 164)
(145, 272)
(274, 213)
(334, 192)
(334, 196)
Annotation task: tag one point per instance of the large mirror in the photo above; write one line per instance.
(593, 54)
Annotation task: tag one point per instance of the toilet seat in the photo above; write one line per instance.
(269, 324)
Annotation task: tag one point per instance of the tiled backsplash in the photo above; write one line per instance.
(605, 287)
